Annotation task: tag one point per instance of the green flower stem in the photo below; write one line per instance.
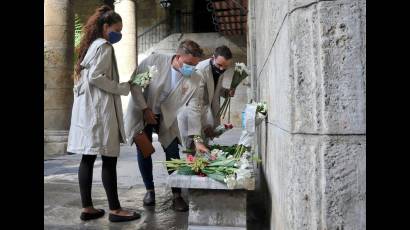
(222, 108)
(226, 107)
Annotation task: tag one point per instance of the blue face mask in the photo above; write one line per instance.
(114, 37)
(187, 70)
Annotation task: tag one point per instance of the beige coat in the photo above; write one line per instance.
(206, 96)
(97, 121)
(142, 99)
(169, 128)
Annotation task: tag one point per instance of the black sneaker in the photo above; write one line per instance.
(90, 216)
(149, 199)
(117, 218)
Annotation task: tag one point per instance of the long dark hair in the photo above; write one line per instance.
(92, 30)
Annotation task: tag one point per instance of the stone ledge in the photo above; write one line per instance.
(198, 182)
(55, 132)
(55, 143)
(55, 136)
(52, 150)
(214, 227)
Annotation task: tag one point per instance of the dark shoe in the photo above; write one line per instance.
(149, 199)
(91, 216)
(117, 218)
(179, 204)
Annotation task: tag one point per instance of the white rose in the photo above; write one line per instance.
(215, 151)
(230, 181)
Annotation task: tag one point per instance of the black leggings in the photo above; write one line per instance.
(109, 179)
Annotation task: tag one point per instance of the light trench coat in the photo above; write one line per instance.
(97, 121)
(148, 97)
(174, 105)
(202, 107)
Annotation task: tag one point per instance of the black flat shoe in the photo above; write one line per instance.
(90, 216)
(117, 218)
(149, 199)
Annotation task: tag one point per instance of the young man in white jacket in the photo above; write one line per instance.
(154, 109)
(210, 73)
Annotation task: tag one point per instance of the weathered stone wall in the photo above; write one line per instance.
(308, 60)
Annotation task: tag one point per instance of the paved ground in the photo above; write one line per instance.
(62, 204)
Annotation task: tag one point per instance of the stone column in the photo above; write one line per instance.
(58, 69)
(126, 50)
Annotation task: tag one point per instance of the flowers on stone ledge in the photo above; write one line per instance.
(227, 164)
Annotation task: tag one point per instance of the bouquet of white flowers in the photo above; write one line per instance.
(143, 79)
(240, 73)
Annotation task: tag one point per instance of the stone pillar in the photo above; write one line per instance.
(58, 69)
(126, 50)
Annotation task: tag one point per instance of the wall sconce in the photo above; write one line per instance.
(165, 3)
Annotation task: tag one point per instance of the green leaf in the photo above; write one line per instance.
(185, 170)
(78, 26)
(217, 176)
(227, 163)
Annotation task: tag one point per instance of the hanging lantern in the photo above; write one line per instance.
(165, 3)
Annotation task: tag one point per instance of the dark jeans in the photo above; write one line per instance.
(109, 179)
(145, 164)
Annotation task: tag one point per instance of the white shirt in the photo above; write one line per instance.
(169, 86)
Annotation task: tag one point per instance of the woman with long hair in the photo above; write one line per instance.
(97, 120)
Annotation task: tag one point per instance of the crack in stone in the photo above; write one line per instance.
(316, 134)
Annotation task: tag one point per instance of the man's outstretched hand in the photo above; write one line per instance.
(201, 147)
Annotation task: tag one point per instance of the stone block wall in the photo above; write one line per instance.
(308, 63)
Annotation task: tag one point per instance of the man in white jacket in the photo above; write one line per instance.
(210, 73)
(154, 109)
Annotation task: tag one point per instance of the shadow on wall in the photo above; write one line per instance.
(259, 204)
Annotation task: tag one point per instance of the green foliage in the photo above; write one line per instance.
(227, 163)
(185, 170)
(216, 176)
(78, 26)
